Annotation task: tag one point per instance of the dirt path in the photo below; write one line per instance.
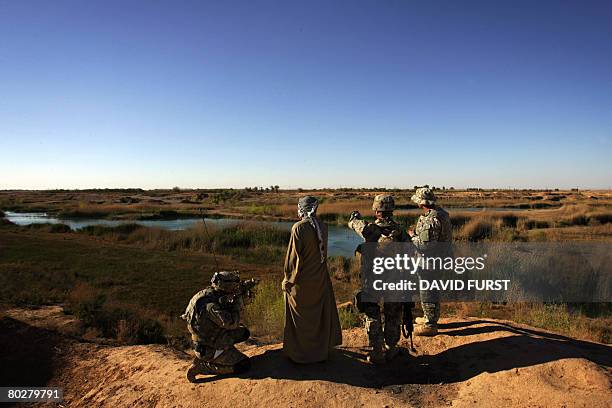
(472, 362)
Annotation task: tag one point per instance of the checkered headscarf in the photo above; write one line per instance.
(307, 208)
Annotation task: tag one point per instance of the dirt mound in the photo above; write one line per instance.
(484, 362)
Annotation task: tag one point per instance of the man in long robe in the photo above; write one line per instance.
(312, 327)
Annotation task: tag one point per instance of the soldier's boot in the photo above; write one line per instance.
(420, 320)
(377, 356)
(428, 324)
(392, 330)
(231, 361)
(392, 352)
(199, 367)
(426, 330)
(375, 340)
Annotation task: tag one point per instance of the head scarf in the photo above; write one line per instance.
(307, 208)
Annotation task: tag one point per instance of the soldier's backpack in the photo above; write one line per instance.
(190, 315)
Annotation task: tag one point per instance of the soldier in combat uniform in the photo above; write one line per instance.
(382, 339)
(432, 228)
(213, 319)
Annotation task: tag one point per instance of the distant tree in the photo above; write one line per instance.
(276, 188)
(176, 189)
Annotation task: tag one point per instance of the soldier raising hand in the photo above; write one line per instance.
(382, 339)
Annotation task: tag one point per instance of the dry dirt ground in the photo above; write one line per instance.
(472, 362)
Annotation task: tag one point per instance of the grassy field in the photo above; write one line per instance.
(272, 203)
(106, 280)
(130, 283)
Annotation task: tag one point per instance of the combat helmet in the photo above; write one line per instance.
(226, 281)
(383, 202)
(424, 196)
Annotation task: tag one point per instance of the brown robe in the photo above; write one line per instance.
(312, 327)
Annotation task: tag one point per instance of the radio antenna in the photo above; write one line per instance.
(208, 236)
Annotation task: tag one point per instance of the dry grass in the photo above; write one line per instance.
(570, 222)
(569, 320)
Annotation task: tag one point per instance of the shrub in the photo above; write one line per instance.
(602, 218)
(60, 228)
(265, 315)
(509, 220)
(100, 230)
(477, 229)
(343, 269)
(458, 221)
(86, 303)
(82, 213)
(137, 330)
(128, 325)
(48, 227)
(349, 318)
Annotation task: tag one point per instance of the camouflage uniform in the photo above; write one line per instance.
(381, 230)
(213, 319)
(431, 228)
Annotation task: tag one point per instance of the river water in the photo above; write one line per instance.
(341, 240)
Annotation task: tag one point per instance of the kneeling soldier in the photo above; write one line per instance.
(213, 319)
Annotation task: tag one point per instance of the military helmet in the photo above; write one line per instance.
(424, 196)
(383, 202)
(226, 281)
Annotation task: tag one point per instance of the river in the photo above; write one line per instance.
(341, 240)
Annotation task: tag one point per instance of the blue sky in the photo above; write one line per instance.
(305, 94)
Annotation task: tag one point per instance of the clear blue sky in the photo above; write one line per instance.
(305, 94)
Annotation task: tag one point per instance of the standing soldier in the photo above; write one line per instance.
(432, 228)
(383, 229)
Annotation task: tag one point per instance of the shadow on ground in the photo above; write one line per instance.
(27, 353)
(527, 347)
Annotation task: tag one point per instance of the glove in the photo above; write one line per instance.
(227, 300)
(355, 215)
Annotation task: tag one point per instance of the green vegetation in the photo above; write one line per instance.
(592, 321)
(560, 318)
(265, 316)
(118, 289)
(246, 242)
(349, 318)
(48, 227)
(129, 324)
